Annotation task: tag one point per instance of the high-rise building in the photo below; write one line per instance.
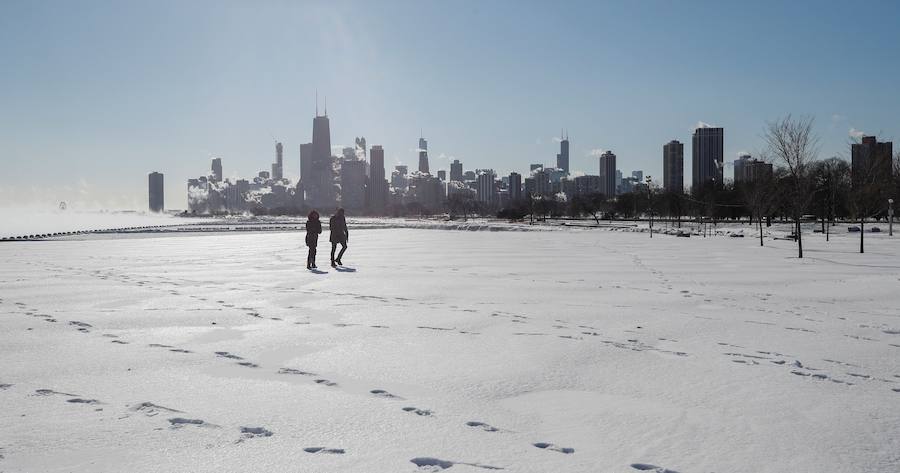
(278, 166)
(399, 179)
(708, 156)
(587, 185)
(742, 169)
(306, 162)
(486, 186)
(756, 170)
(515, 186)
(216, 170)
(456, 171)
(673, 166)
(320, 189)
(608, 174)
(156, 192)
(562, 159)
(870, 160)
(542, 184)
(442, 175)
(423, 156)
(353, 183)
(639, 175)
(376, 187)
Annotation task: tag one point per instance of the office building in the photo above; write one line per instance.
(423, 156)
(562, 159)
(456, 171)
(376, 186)
(870, 161)
(515, 186)
(278, 166)
(216, 170)
(608, 174)
(673, 166)
(156, 192)
(708, 156)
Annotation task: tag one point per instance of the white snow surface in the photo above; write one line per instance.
(576, 351)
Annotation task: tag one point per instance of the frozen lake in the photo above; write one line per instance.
(576, 351)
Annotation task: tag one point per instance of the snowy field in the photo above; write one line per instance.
(554, 351)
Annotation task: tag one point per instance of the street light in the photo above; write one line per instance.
(890, 217)
(650, 203)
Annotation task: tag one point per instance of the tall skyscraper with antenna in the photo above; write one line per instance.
(423, 155)
(319, 188)
(562, 159)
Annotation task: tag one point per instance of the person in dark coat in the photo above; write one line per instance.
(313, 229)
(339, 234)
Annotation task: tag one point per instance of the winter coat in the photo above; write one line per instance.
(313, 229)
(338, 227)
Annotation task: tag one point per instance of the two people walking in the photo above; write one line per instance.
(339, 235)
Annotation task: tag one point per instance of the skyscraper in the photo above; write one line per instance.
(442, 175)
(638, 175)
(515, 186)
(673, 166)
(486, 186)
(423, 156)
(353, 184)
(156, 192)
(216, 170)
(376, 187)
(456, 171)
(742, 169)
(562, 159)
(278, 166)
(320, 188)
(708, 156)
(306, 155)
(608, 174)
(870, 160)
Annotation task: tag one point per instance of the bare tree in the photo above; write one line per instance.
(868, 196)
(760, 196)
(793, 143)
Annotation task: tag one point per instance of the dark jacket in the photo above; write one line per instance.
(313, 229)
(338, 227)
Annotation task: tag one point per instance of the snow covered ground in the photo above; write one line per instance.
(571, 350)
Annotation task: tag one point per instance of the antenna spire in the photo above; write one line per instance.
(317, 102)
(326, 105)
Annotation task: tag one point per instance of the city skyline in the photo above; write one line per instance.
(93, 125)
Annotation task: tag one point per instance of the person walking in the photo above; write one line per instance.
(339, 234)
(313, 229)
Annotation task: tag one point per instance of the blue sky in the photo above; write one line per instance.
(95, 95)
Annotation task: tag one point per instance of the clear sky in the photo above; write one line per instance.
(95, 95)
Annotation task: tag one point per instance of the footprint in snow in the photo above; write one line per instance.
(255, 432)
(651, 468)
(384, 394)
(550, 446)
(179, 422)
(325, 382)
(324, 450)
(419, 412)
(436, 464)
(295, 371)
(482, 426)
(149, 409)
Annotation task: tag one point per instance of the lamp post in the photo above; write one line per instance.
(890, 217)
(650, 203)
